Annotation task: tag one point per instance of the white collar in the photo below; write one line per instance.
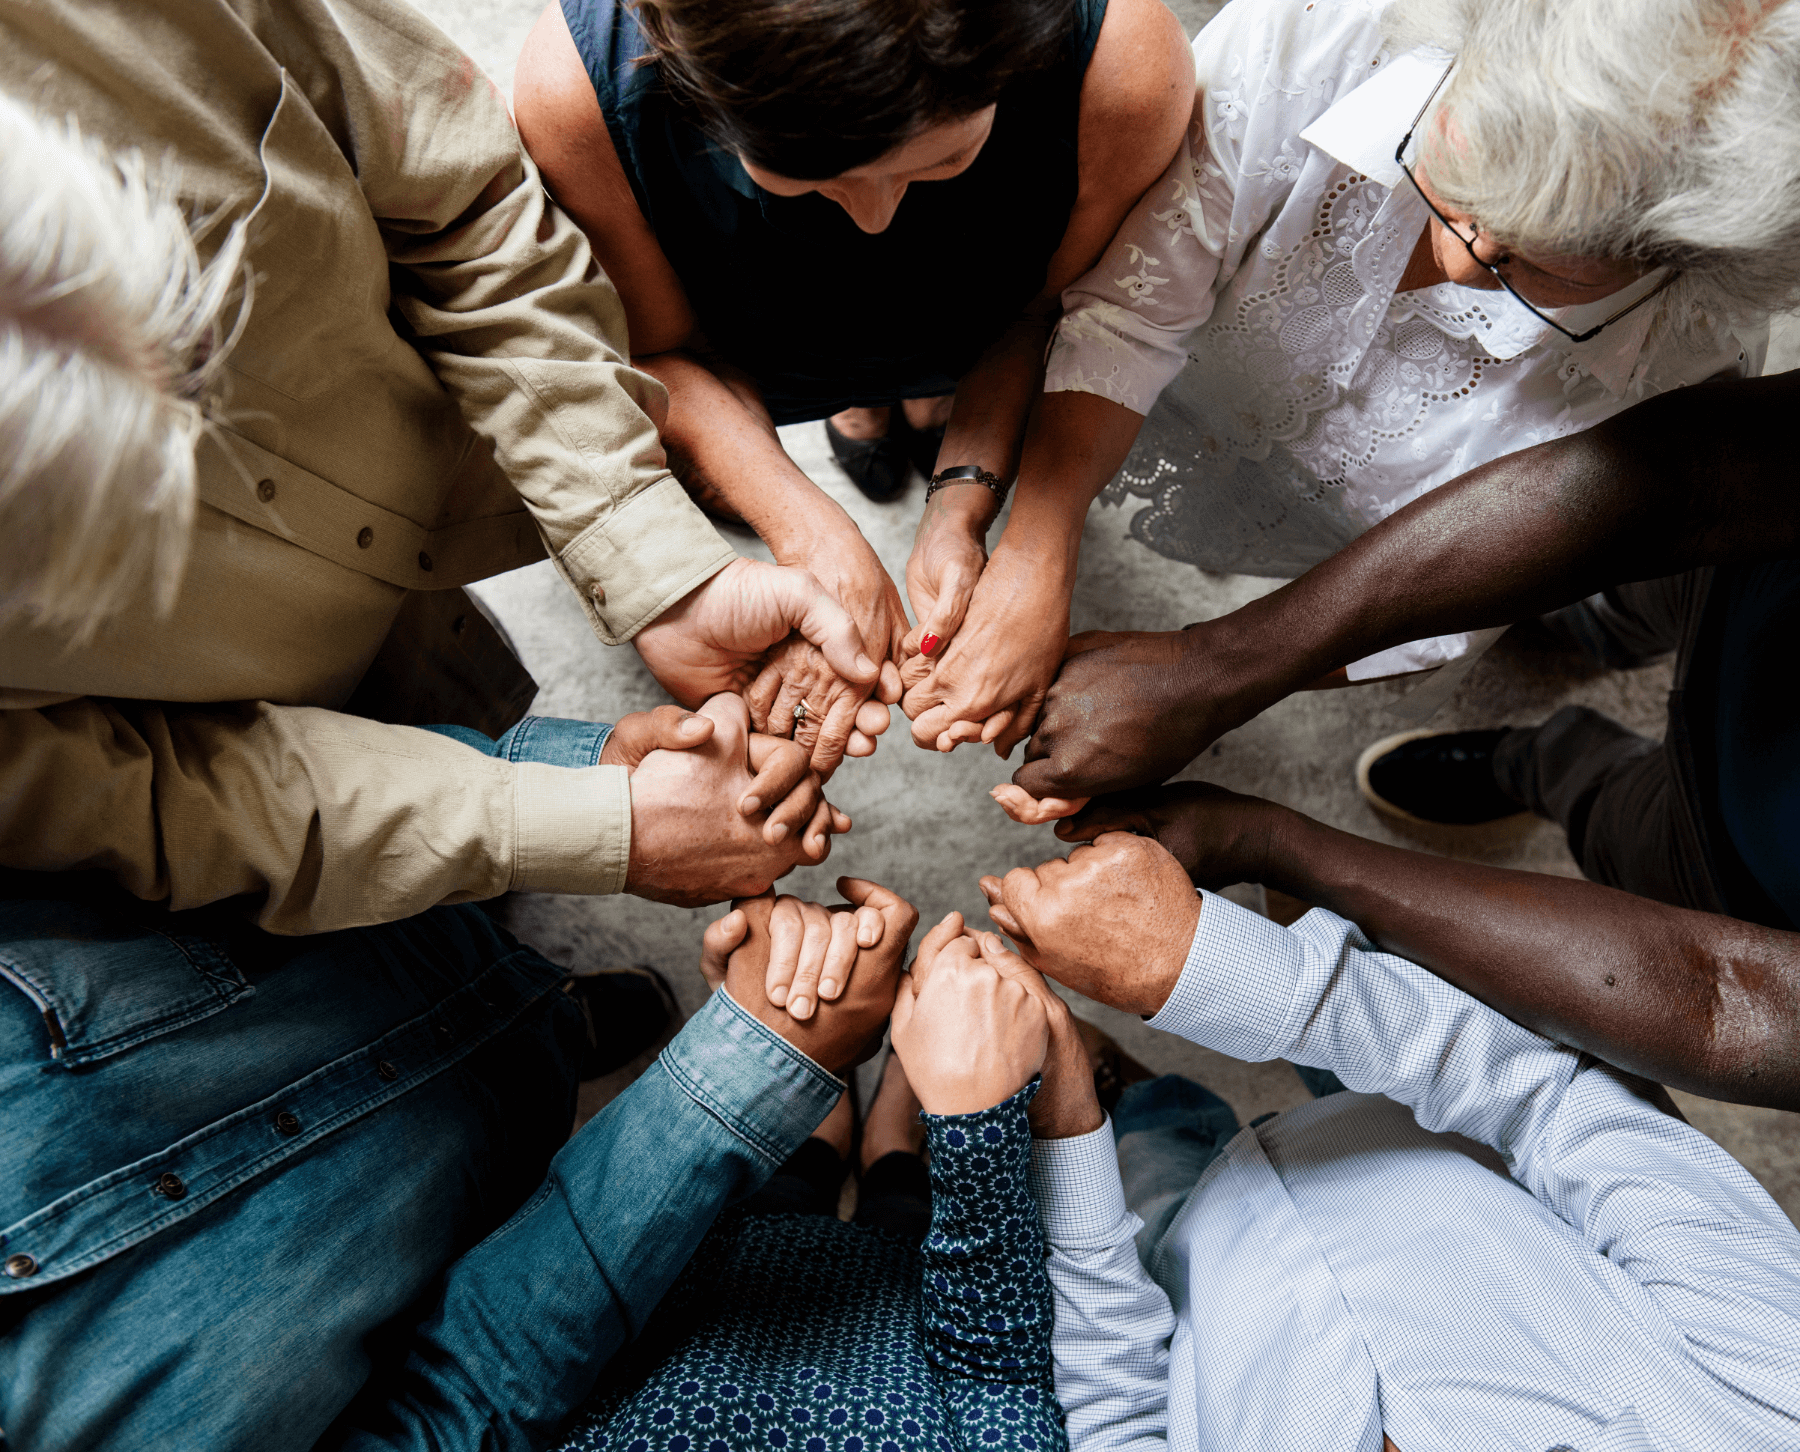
(1362, 129)
(1364, 126)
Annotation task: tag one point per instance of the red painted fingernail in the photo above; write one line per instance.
(928, 643)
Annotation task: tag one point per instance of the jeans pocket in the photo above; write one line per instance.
(104, 982)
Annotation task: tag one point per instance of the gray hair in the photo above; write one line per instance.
(109, 329)
(1662, 132)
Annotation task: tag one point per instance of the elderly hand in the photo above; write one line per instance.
(739, 949)
(716, 637)
(698, 832)
(1218, 837)
(988, 683)
(843, 717)
(968, 1035)
(1132, 708)
(1113, 921)
(948, 555)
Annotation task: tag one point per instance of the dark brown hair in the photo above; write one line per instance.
(810, 88)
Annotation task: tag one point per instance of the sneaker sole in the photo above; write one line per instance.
(1399, 814)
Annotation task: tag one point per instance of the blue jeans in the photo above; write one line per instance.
(245, 1180)
(549, 739)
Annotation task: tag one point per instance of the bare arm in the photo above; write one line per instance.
(1701, 1002)
(1689, 478)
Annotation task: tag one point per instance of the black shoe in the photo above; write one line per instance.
(923, 446)
(1436, 778)
(875, 466)
(627, 1010)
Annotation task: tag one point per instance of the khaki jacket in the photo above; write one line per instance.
(432, 387)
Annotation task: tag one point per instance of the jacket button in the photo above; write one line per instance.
(424, 562)
(599, 593)
(19, 1266)
(365, 537)
(265, 490)
(387, 1071)
(170, 1184)
(287, 1123)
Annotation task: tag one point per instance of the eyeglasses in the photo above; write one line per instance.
(1493, 268)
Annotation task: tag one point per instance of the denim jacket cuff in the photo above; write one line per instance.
(750, 1079)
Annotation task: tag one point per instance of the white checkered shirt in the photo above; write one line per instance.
(1350, 1267)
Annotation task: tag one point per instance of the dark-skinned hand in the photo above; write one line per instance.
(1113, 921)
(1129, 709)
(1218, 837)
(836, 1034)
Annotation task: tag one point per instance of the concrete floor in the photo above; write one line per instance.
(924, 823)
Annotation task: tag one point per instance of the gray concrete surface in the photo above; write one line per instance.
(924, 823)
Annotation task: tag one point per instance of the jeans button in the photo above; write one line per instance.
(19, 1266)
(387, 1071)
(287, 1123)
(170, 1185)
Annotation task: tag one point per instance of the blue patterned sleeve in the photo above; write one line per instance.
(986, 1299)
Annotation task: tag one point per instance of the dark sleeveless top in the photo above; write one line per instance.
(823, 315)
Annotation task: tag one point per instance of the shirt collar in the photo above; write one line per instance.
(1362, 129)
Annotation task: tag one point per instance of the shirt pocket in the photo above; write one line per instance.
(320, 296)
(103, 983)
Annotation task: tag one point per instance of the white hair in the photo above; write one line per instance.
(1662, 132)
(109, 329)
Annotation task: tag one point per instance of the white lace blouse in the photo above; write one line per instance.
(1248, 307)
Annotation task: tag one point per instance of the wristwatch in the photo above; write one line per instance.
(968, 474)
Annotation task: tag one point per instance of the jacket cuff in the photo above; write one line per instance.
(1236, 990)
(1079, 1194)
(749, 1078)
(631, 566)
(571, 828)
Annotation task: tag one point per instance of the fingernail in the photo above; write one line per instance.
(800, 1007)
(928, 643)
(750, 806)
(778, 831)
(864, 664)
(866, 938)
(827, 987)
(778, 994)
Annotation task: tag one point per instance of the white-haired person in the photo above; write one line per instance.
(1398, 242)
(253, 1029)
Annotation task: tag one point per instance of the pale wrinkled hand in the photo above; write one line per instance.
(699, 831)
(843, 716)
(968, 1035)
(988, 683)
(1114, 920)
(715, 638)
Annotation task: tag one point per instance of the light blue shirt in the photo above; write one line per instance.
(1352, 1266)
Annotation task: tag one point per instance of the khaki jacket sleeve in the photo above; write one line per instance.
(327, 821)
(502, 296)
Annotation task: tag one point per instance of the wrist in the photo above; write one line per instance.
(965, 506)
(1249, 659)
(1286, 851)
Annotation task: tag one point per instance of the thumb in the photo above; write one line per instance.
(667, 728)
(806, 606)
(719, 942)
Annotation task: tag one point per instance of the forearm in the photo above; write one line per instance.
(724, 449)
(530, 1317)
(1701, 1002)
(326, 821)
(1074, 444)
(1683, 480)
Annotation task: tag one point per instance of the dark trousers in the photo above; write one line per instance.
(1628, 804)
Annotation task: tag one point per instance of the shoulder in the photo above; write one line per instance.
(1141, 71)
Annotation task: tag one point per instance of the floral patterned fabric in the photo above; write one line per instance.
(1248, 307)
(800, 1333)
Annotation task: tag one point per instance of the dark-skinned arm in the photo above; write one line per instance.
(1693, 1000)
(1690, 478)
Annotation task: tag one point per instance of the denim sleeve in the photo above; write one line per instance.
(528, 1318)
(986, 1301)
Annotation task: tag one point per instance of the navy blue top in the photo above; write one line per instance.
(802, 1333)
(1755, 720)
(823, 315)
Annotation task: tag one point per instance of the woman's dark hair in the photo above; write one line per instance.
(810, 88)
